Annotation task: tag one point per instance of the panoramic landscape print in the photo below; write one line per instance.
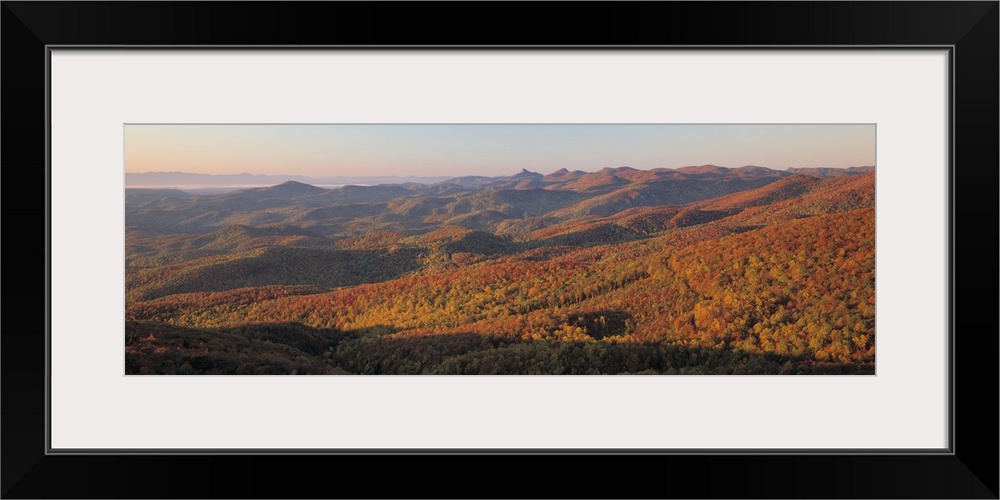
(562, 249)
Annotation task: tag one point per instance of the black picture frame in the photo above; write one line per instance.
(970, 470)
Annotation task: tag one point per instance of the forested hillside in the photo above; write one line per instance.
(699, 270)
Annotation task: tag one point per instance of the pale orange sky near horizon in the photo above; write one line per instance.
(487, 149)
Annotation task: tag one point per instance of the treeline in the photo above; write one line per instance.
(277, 349)
(274, 349)
(472, 354)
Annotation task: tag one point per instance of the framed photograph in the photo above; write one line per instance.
(270, 240)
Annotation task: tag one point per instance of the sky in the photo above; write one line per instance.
(486, 149)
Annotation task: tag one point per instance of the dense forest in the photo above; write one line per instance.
(697, 270)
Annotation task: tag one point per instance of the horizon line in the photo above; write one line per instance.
(523, 170)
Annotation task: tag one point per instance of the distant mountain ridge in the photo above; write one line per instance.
(610, 178)
(476, 201)
(823, 172)
(524, 179)
(526, 201)
(185, 179)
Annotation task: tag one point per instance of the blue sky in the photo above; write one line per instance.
(487, 149)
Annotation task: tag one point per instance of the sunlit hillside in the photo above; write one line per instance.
(699, 270)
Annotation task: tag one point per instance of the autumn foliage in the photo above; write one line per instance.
(746, 272)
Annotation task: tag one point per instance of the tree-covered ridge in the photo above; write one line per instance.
(778, 278)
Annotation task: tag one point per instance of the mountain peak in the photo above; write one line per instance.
(526, 174)
(296, 188)
(703, 169)
(563, 174)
